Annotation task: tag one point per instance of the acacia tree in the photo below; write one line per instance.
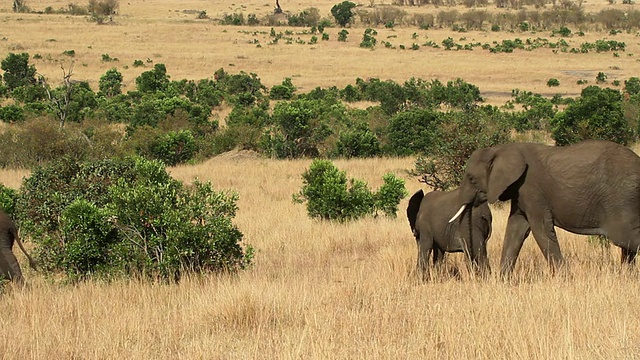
(343, 12)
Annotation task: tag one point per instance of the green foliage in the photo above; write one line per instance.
(233, 19)
(240, 89)
(284, 91)
(368, 39)
(459, 134)
(390, 194)
(174, 147)
(358, 141)
(632, 85)
(110, 83)
(329, 196)
(82, 101)
(343, 13)
(412, 132)
(299, 127)
(8, 198)
(342, 35)
(11, 114)
(536, 112)
(309, 17)
(553, 82)
(597, 114)
(17, 71)
(127, 217)
(153, 80)
(601, 77)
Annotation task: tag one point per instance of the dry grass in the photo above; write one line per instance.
(320, 290)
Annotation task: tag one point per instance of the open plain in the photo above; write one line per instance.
(321, 290)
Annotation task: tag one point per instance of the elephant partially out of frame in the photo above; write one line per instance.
(428, 217)
(589, 188)
(9, 266)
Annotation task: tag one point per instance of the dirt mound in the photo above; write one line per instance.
(238, 155)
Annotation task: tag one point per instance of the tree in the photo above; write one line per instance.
(153, 80)
(342, 12)
(17, 71)
(597, 114)
(110, 83)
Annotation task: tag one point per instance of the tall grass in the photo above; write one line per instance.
(322, 290)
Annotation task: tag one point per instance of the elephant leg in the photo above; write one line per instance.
(628, 256)
(624, 232)
(425, 247)
(480, 259)
(9, 266)
(545, 234)
(438, 256)
(517, 230)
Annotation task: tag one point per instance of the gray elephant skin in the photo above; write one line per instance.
(428, 217)
(589, 188)
(9, 266)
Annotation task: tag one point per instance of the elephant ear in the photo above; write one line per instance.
(414, 207)
(506, 168)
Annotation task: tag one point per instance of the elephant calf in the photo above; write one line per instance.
(9, 267)
(428, 216)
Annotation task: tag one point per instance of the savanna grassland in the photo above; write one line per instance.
(320, 290)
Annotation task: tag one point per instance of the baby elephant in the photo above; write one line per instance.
(9, 267)
(429, 219)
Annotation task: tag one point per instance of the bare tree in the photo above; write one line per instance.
(59, 102)
(278, 9)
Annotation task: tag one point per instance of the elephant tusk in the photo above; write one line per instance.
(458, 213)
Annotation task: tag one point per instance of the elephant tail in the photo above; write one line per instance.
(413, 208)
(32, 262)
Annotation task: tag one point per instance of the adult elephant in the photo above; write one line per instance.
(428, 215)
(9, 266)
(589, 188)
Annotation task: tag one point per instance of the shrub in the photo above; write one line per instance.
(299, 127)
(343, 13)
(233, 19)
(174, 147)
(342, 35)
(17, 71)
(284, 91)
(153, 80)
(632, 85)
(329, 196)
(358, 142)
(368, 39)
(597, 114)
(11, 113)
(552, 82)
(457, 136)
(8, 198)
(111, 83)
(412, 132)
(127, 217)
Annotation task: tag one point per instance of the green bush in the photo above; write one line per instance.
(597, 114)
(299, 127)
(412, 132)
(110, 83)
(329, 196)
(342, 35)
(11, 114)
(17, 71)
(8, 198)
(127, 217)
(174, 147)
(552, 82)
(343, 13)
(282, 92)
(457, 136)
(153, 80)
(358, 142)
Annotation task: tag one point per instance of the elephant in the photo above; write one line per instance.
(9, 267)
(428, 215)
(588, 188)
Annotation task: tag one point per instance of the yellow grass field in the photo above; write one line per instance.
(320, 290)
